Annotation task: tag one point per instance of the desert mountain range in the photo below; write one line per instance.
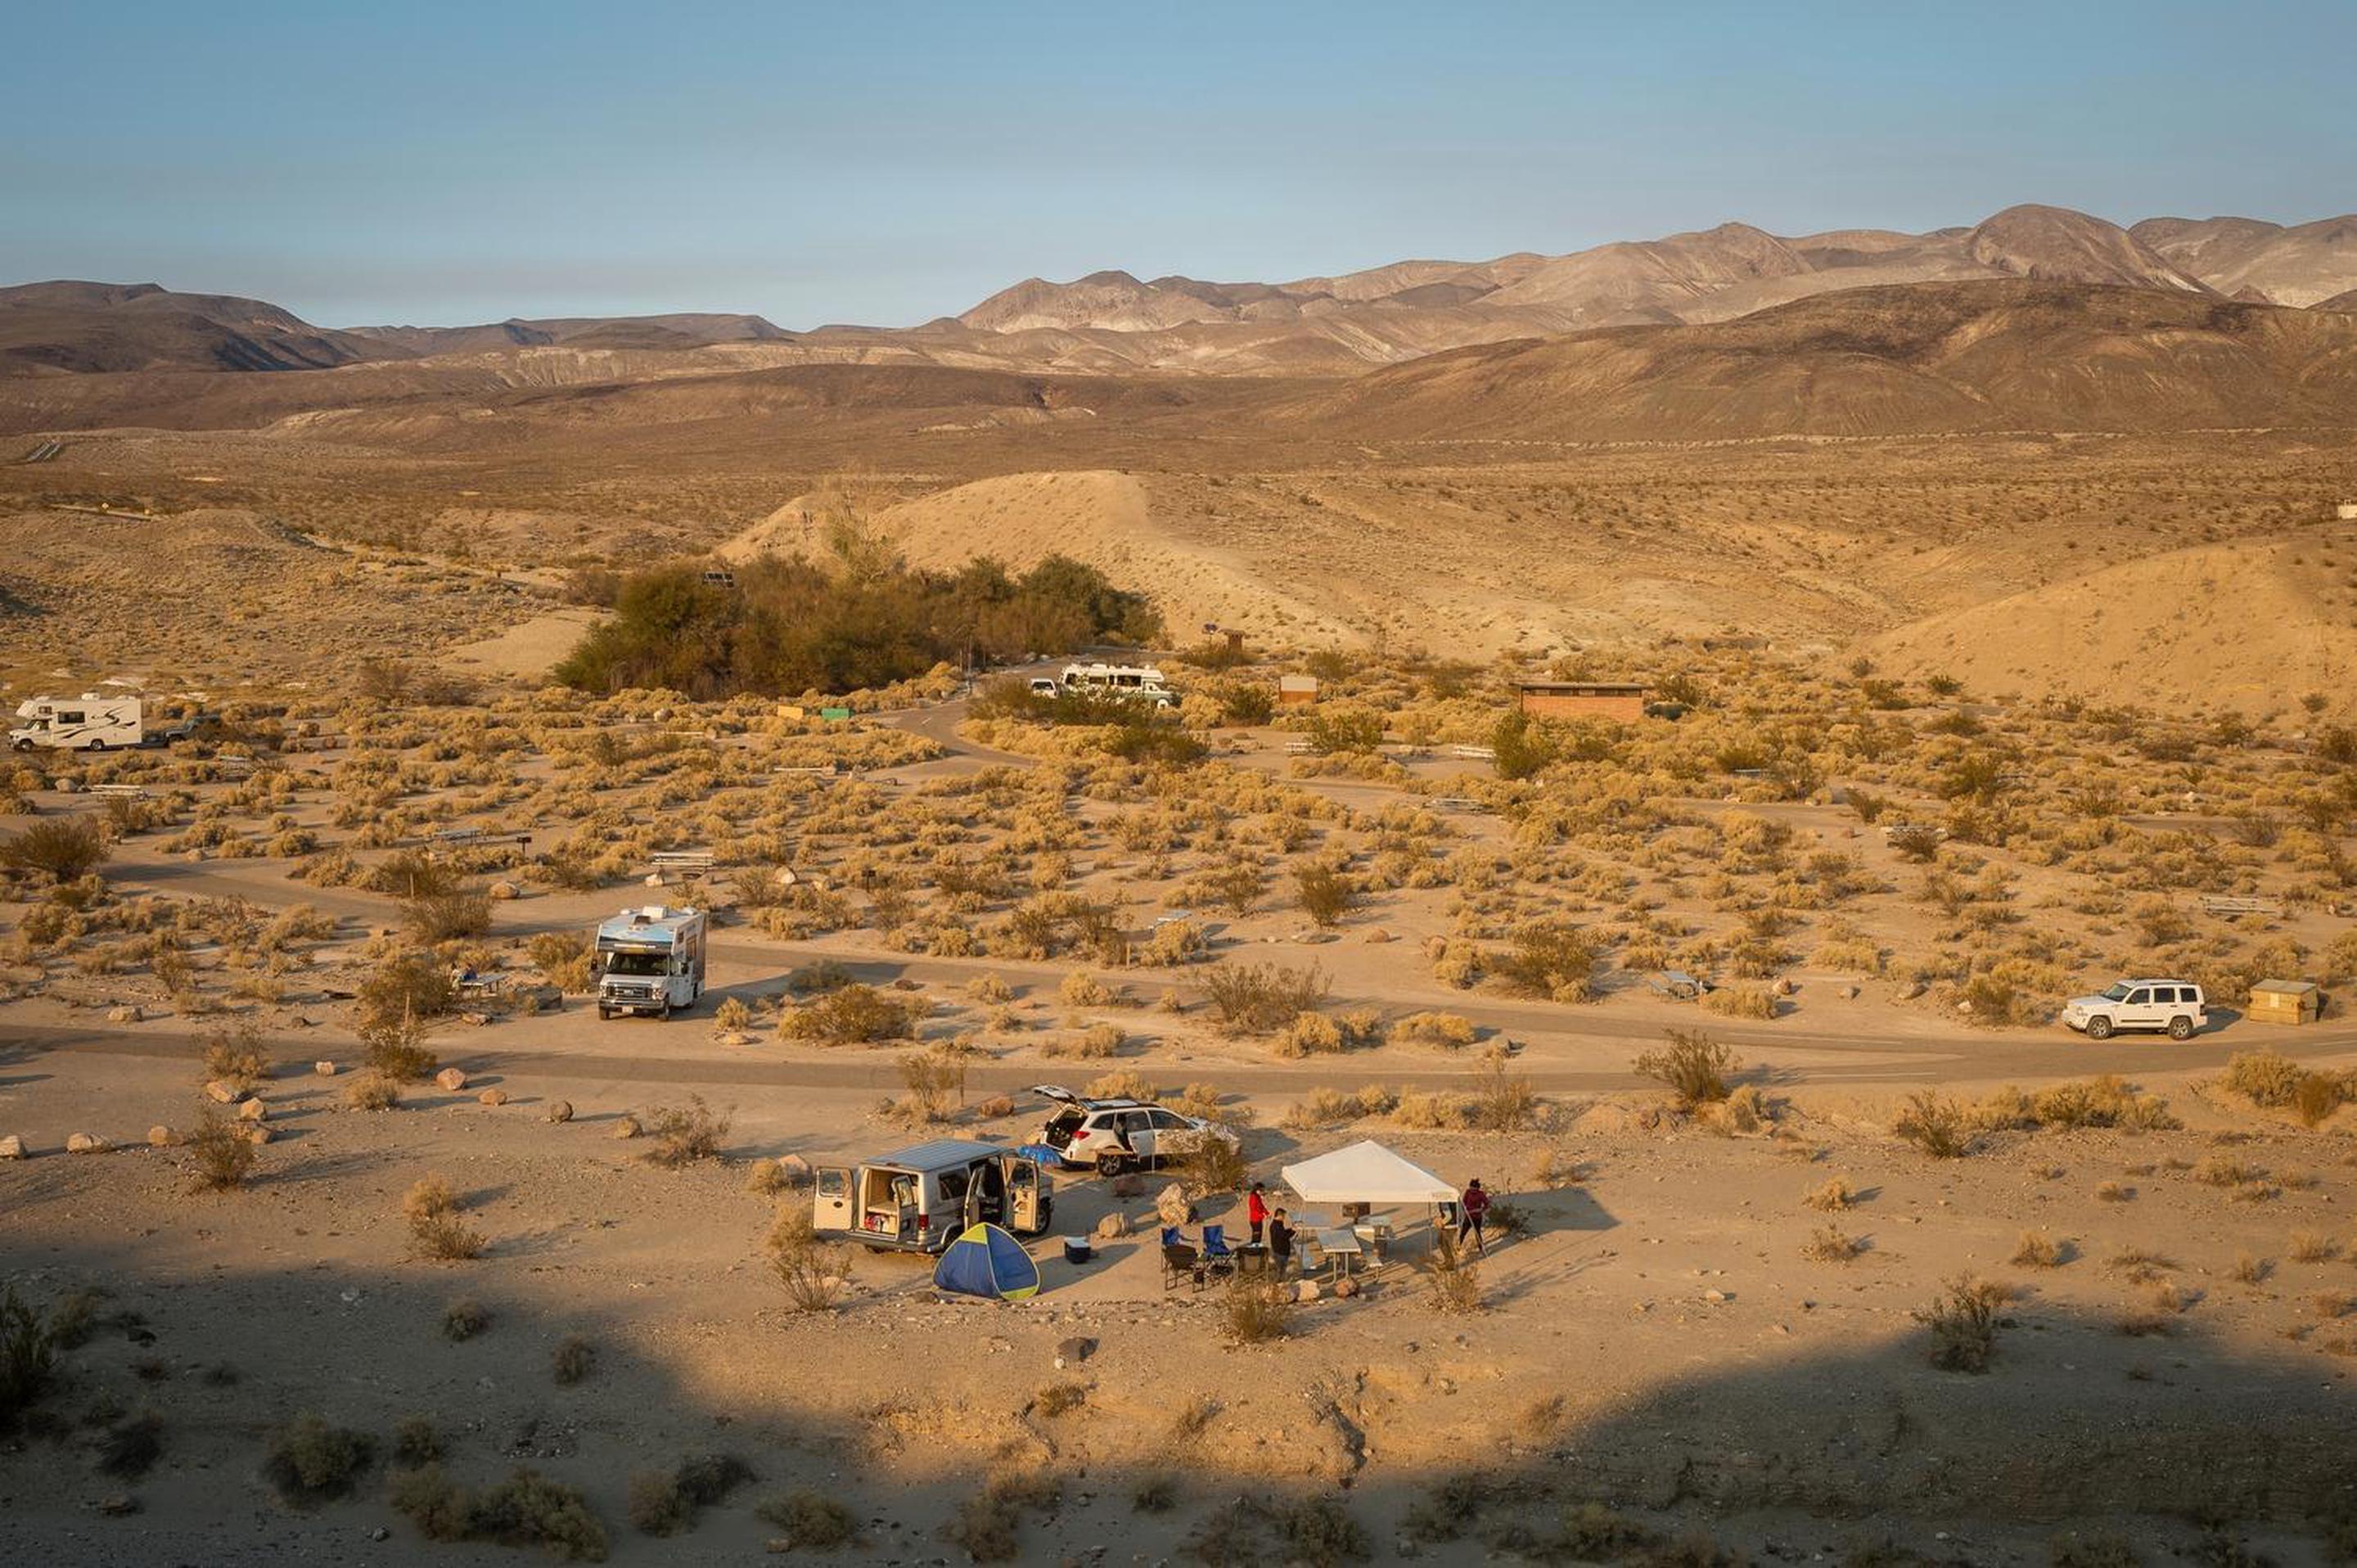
(1111, 322)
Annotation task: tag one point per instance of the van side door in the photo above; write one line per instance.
(830, 1191)
(1026, 1210)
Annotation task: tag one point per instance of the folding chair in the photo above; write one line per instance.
(1217, 1259)
(1180, 1262)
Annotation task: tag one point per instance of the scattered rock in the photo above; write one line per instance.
(1786, 985)
(253, 1110)
(493, 1097)
(1346, 1287)
(1173, 1206)
(117, 1506)
(86, 1143)
(450, 1079)
(1717, 1295)
(255, 1133)
(222, 1093)
(125, 1014)
(1305, 1290)
(794, 1168)
(11, 1147)
(504, 891)
(625, 1127)
(160, 1137)
(1911, 990)
(560, 1111)
(1073, 1351)
(1380, 935)
(1111, 1227)
(1848, 993)
(324, 1069)
(1128, 1187)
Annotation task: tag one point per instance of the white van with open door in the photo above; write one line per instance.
(920, 1198)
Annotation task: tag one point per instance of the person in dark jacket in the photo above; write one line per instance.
(1280, 1243)
(1470, 1207)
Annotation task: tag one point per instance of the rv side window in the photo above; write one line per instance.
(834, 1183)
(69, 718)
(954, 1185)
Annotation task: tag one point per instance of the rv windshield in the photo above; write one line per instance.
(637, 962)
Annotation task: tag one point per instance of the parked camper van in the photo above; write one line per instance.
(89, 722)
(651, 961)
(918, 1199)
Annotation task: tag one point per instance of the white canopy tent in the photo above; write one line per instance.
(1366, 1173)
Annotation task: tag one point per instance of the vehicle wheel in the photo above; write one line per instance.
(1112, 1164)
(665, 1015)
(97, 746)
(2180, 1028)
(2099, 1027)
(604, 1012)
(24, 745)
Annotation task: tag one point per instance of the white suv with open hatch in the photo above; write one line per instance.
(2173, 1005)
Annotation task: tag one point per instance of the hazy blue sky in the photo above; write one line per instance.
(874, 161)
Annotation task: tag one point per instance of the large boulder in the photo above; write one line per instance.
(86, 1143)
(11, 1147)
(160, 1137)
(253, 1110)
(625, 1127)
(223, 1093)
(492, 1097)
(560, 1111)
(450, 1079)
(1174, 1207)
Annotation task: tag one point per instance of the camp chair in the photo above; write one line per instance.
(1172, 1236)
(1217, 1259)
(1180, 1262)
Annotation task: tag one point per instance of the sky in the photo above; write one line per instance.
(887, 161)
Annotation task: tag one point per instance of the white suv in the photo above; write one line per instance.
(2175, 1006)
(1116, 1134)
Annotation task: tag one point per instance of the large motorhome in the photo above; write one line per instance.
(920, 1199)
(1143, 681)
(651, 961)
(91, 721)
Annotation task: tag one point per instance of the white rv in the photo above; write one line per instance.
(651, 961)
(918, 1199)
(1143, 681)
(88, 722)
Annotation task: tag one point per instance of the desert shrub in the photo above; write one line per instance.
(1310, 1034)
(664, 1502)
(1448, 1029)
(1081, 989)
(396, 1052)
(1552, 958)
(1834, 1196)
(807, 1520)
(1592, 1532)
(525, 1510)
(573, 1359)
(372, 1091)
(223, 1156)
(2096, 1549)
(1336, 730)
(2106, 1102)
(987, 1524)
(1691, 1066)
(465, 1318)
(849, 1015)
(1963, 1321)
(1059, 1398)
(1324, 894)
(129, 1449)
(1935, 1124)
(732, 1016)
(62, 849)
(28, 1346)
(1832, 1244)
(1754, 1001)
(1504, 1100)
(1453, 1280)
(2263, 1076)
(1257, 1311)
(564, 959)
(1260, 999)
(1213, 1165)
(436, 1231)
(2317, 1096)
(1318, 1531)
(1916, 842)
(311, 1462)
(684, 1134)
(447, 915)
(2037, 1249)
(235, 1055)
(813, 1274)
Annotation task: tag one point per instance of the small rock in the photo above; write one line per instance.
(11, 1147)
(1716, 1296)
(1380, 935)
(1346, 1287)
(560, 1111)
(1305, 1290)
(324, 1069)
(794, 1169)
(222, 1093)
(253, 1110)
(86, 1143)
(255, 1133)
(1073, 1351)
(380, 1533)
(125, 1015)
(160, 1137)
(1849, 993)
(451, 1080)
(1128, 1187)
(1111, 1227)
(117, 1506)
(504, 891)
(1911, 990)
(493, 1097)
(1785, 986)
(625, 1127)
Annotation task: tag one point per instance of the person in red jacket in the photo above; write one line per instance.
(1256, 1211)
(1470, 1207)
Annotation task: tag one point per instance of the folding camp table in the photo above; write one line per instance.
(1340, 1249)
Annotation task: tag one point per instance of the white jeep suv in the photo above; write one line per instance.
(2174, 1006)
(1117, 1135)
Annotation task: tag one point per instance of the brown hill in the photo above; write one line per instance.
(684, 329)
(2308, 264)
(1943, 357)
(68, 327)
(2056, 244)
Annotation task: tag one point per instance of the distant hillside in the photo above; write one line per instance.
(52, 328)
(1896, 361)
(2310, 264)
(684, 330)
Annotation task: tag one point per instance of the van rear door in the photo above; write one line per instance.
(1027, 1209)
(831, 1199)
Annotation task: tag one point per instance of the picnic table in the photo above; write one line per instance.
(1340, 1248)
